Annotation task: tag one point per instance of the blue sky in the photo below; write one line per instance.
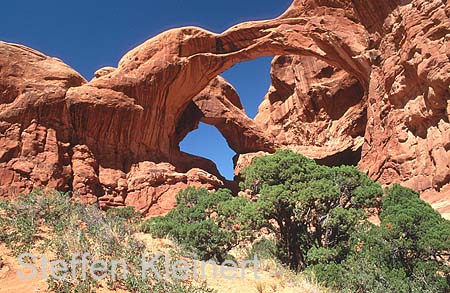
(89, 35)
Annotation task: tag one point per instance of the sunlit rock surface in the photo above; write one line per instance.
(359, 82)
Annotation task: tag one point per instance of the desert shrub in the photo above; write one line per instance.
(54, 224)
(201, 222)
(196, 225)
(312, 210)
(20, 221)
(408, 252)
(318, 216)
(263, 249)
(126, 213)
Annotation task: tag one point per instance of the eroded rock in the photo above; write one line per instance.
(353, 81)
(35, 128)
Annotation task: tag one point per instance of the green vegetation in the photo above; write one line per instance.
(307, 217)
(311, 209)
(318, 217)
(263, 249)
(408, 252)
(53, 224)
(200, 222)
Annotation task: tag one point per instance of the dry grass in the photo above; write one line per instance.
(100, 231)
(273, 277)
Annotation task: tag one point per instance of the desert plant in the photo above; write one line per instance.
(200, 222)
(408, 252)
(312, 210)
(263, 249)
(126, 213)
(71, 228)
(20, 221)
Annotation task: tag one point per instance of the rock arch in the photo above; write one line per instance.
(155, 82)
(115, 138)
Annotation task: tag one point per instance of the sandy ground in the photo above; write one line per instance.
(9, 280)
(270, 279)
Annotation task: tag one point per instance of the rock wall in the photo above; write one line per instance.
(353, 81)
(35, 127)
(39, 147)
(315, 109)
(408, 131)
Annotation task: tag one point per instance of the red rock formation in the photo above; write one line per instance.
(407, 138)
(408, 131)
(155, 82)
(315, 109)
(219, 105)
(35, 127)
(354, 81)
(38, 148)
(146, 103)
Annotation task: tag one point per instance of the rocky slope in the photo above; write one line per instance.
(355, 82)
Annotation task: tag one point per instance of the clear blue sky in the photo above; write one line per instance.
(91, 34)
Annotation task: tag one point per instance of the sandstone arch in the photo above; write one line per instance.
(155, 82)
(112, 138)
(219, 105)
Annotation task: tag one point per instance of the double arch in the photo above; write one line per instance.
(144, 99)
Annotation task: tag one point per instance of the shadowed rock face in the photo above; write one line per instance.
(314, 108)
(356, 82)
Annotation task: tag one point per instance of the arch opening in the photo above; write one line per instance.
(252, 81)
(319, 104)
(207, 142)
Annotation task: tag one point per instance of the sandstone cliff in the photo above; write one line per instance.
(355, 82)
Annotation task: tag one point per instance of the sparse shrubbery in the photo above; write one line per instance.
(200, 222)
(20, 221)
(52, 223)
